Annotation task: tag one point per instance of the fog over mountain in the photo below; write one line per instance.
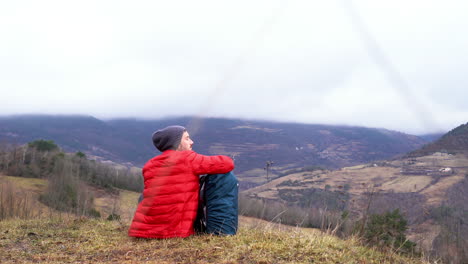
(396, 64)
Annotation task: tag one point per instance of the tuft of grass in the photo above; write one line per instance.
(84, 240)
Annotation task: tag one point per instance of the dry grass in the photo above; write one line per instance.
(405, 184)
(31, 185)
(436, 193)
(128, 202)
(99, 241)
(62, 238)
(19, 198)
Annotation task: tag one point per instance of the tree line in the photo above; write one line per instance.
(67, 174)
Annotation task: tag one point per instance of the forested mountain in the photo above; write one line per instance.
(455, 141)
(251, 143)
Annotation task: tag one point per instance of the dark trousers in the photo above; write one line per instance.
(218, 206)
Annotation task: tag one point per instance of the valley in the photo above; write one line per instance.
(417, 186)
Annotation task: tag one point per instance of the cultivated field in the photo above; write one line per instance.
(415, 185)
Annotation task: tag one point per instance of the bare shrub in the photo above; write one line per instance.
(330, 221)
(66, 193)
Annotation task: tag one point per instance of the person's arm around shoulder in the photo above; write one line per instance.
(202, 164)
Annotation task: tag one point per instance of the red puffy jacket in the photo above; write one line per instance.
(170, 202)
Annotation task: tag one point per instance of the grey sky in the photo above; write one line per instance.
(304, 61)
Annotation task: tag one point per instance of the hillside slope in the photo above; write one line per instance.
(100, 241)
(62, 238)
(455, 141)
(429, 185)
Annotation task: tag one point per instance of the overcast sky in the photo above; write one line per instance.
(400, 65)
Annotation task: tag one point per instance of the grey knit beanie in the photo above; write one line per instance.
(168, 138)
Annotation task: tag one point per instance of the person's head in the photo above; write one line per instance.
(172, 137)
(186, 142)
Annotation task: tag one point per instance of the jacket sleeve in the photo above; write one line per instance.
(202, 164)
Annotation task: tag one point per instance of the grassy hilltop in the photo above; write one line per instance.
(100, 241)
(53, 237)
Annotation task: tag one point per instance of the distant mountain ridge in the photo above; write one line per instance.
(251, 143)
(432, 136)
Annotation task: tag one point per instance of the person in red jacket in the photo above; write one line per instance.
(171, 186)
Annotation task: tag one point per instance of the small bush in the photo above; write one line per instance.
(94, 213)
(80, 155)
(113, 217)
(388, 231)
